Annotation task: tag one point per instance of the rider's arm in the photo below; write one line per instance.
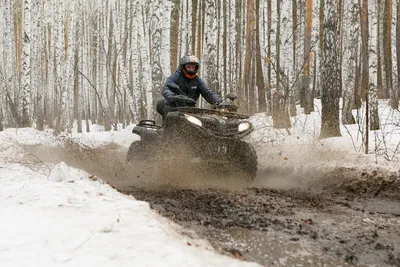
(167, 92)
(206, 92)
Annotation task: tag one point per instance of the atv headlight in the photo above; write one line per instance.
(193, 120)
(244, 126)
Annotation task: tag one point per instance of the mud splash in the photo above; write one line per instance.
(313, 217)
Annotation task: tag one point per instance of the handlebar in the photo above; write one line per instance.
(181, 101)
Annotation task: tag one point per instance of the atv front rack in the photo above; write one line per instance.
(150, 124)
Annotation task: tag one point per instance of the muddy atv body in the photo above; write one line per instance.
(210, 138)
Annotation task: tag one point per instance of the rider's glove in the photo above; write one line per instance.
(216, 104)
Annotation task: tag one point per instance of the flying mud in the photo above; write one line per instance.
(289, 216)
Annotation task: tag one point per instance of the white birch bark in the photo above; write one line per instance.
(209, 65)
(61, 102)
(135, 89)
(145, 80)
(3, 3)
(231, 43)
(155, 36)
(102, 71)
(8, 50)
(26, 65)
(165, 37)
(351, 48)
(37, 70)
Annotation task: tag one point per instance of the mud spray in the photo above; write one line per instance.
(305, 208)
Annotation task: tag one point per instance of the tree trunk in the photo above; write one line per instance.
(269, 57)
(238, 50)
(280, 114)
(225, 48)
(305, 93)
(330, 74)
(350, 55)
(174, 31)
(262, 104)
(321, 41)
(365, 67)
(247, 71)
(26, 66)
(387, 58)
(379, 49)
(375, 124)
(210, 58)
(1, 113)
(76, 80)
(398, 46)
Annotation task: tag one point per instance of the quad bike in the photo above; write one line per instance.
(210, 138)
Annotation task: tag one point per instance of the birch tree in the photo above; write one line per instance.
(330, 73)
(209, 65)
(351, 56)
(26, 66)
(269, 53)
(398, 45)
(76, 108)
(174, 29)
(262, 105)
(238, 48)
(155, 31)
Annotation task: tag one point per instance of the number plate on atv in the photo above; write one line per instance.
(222, 149)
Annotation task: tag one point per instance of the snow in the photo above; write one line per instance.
(53, 214)
(68, 217)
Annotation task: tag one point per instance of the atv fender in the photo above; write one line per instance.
(147, 130)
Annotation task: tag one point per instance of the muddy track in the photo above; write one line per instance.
(343, 216)
(328, 228)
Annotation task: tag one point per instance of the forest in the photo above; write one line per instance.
(105, 62)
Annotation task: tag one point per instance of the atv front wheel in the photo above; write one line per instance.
(247, 163)
(138, 151)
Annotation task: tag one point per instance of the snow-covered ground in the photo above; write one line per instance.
(53, 214)
(56, 215)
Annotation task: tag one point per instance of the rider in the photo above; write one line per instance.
(189, 84)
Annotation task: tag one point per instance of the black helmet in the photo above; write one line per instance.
(189, 59)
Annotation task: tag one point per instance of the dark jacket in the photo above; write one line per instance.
(192, 88)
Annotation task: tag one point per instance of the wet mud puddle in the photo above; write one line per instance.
(286, 227)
